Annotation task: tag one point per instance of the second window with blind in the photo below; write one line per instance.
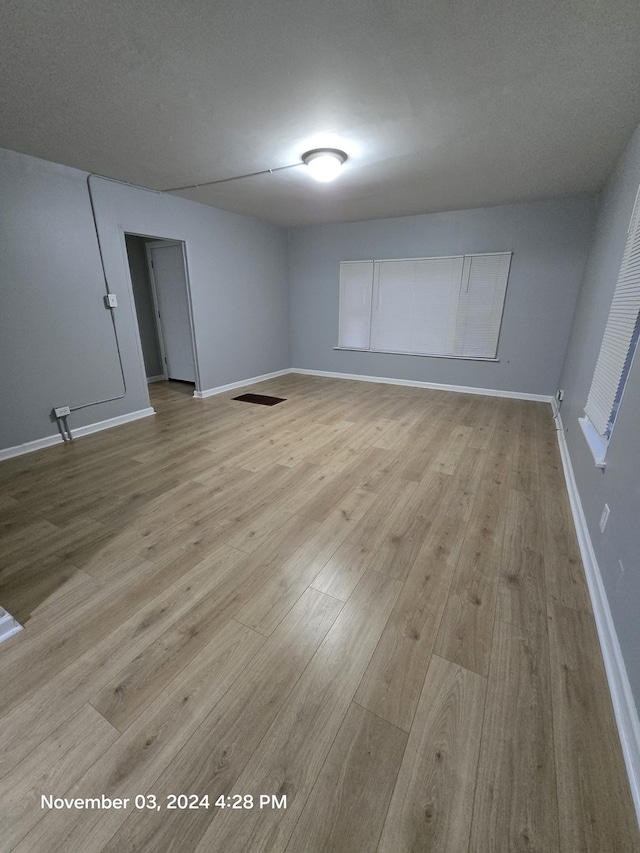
(618, 348)
(446, 306)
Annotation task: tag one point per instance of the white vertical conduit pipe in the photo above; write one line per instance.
(113, 319)
(63, 424)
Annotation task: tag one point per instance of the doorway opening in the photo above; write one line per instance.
(160, 282)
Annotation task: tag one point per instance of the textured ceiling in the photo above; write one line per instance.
(440, 104)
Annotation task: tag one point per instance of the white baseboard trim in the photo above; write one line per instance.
(78, 432)
(211, 392)
(436, 386)
(151, 379)
(29, 446)
(621, 696)
(8, 625)
(112, 422)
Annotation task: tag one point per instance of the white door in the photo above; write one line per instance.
(169, 279)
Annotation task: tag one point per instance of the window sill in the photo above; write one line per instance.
(418, 354)
(597, 444)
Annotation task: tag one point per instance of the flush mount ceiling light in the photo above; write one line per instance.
(324, 163)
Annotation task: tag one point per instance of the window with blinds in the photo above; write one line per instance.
(448, 306)
(620, 338)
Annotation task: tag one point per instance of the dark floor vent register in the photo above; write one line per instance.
(261, 399)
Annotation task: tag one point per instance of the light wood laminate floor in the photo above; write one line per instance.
(367, 600)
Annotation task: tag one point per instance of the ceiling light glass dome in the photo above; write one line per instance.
(324, 163)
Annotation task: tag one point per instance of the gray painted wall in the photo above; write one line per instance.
(56, 339)
(618, 484)
(145, 310)
(549, 239)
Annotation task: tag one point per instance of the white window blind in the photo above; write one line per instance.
(356, 278)
(484, 284)
(447, 306)
(415, 305)
(620, 335)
